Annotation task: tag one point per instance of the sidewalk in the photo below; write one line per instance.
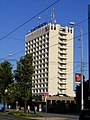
(49, 116)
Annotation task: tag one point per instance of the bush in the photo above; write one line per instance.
(22, 114)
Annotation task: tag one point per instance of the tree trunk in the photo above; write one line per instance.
(3, 109)
(25, 105)
(4, 106)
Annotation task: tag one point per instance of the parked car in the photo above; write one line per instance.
(84, 114)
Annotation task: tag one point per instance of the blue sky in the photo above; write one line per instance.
(13, 13)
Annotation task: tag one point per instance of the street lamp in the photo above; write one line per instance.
(6, 91)
(10, 55)
(82, 66)
(71, 23)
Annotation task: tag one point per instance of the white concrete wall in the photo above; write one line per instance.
(53, 59)
(53, 62)
(70, 73)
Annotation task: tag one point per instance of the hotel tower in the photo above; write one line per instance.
(52, 49)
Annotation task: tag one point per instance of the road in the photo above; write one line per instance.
(51, 116)
(2, 117)
(46, 117)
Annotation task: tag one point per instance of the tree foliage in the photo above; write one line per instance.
(6, 78)
(12, 92)
(23, 77)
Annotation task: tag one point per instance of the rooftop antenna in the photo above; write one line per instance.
(39, 20)
(53, 16)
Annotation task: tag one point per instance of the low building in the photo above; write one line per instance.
(59, 104)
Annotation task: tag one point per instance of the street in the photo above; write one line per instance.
(2, 117)
(47, 116)
(51, 116)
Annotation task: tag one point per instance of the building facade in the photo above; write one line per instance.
(52, 49)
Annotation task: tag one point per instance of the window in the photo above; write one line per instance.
(63, 30)
(71, 30)
(36, 91)
(41, 37)
(43, 90)
(54, 26)
(51, 26)
(46, 28)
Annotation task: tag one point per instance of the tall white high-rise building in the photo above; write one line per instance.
(52, 49)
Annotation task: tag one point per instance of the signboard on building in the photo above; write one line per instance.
(77, 77)
(46, 94)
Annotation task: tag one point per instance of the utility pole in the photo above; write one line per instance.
(82, 68)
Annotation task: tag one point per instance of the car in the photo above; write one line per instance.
(84, 114)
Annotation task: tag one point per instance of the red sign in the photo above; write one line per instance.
(77, 77)
(46, 94)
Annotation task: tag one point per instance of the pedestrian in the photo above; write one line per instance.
(9, 106)
(35, 109)
(28, 109)
(17, 109)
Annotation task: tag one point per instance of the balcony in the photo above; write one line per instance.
(64, 47)
(62, 52)
(62, 57)
(62, 72)
(62, 82)
(62, 88)
(61, 32)
(62, 62)
(62, 42)
(62, 37)
(62, 77)
(63, 68)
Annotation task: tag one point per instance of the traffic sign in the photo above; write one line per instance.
(46, 94)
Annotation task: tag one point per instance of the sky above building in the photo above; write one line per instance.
(14, 13)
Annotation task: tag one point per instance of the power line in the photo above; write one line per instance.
(36, 16)
(48, 46)
(15, 38)
(29, 20)
(77, 24)
(23, 40)
(14, 54)
(80, 22)
(51, 37)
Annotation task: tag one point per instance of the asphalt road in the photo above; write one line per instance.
(51, 116)
(11, 118)
(54, 117)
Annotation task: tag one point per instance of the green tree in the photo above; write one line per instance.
(23, 77)
(6, 78)
(12, 92)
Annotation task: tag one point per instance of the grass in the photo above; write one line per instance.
(22, 114)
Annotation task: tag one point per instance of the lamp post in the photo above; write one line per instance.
(82, 68)
(6, 91)
(4, 104)
(10, 55)
(72, 23)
